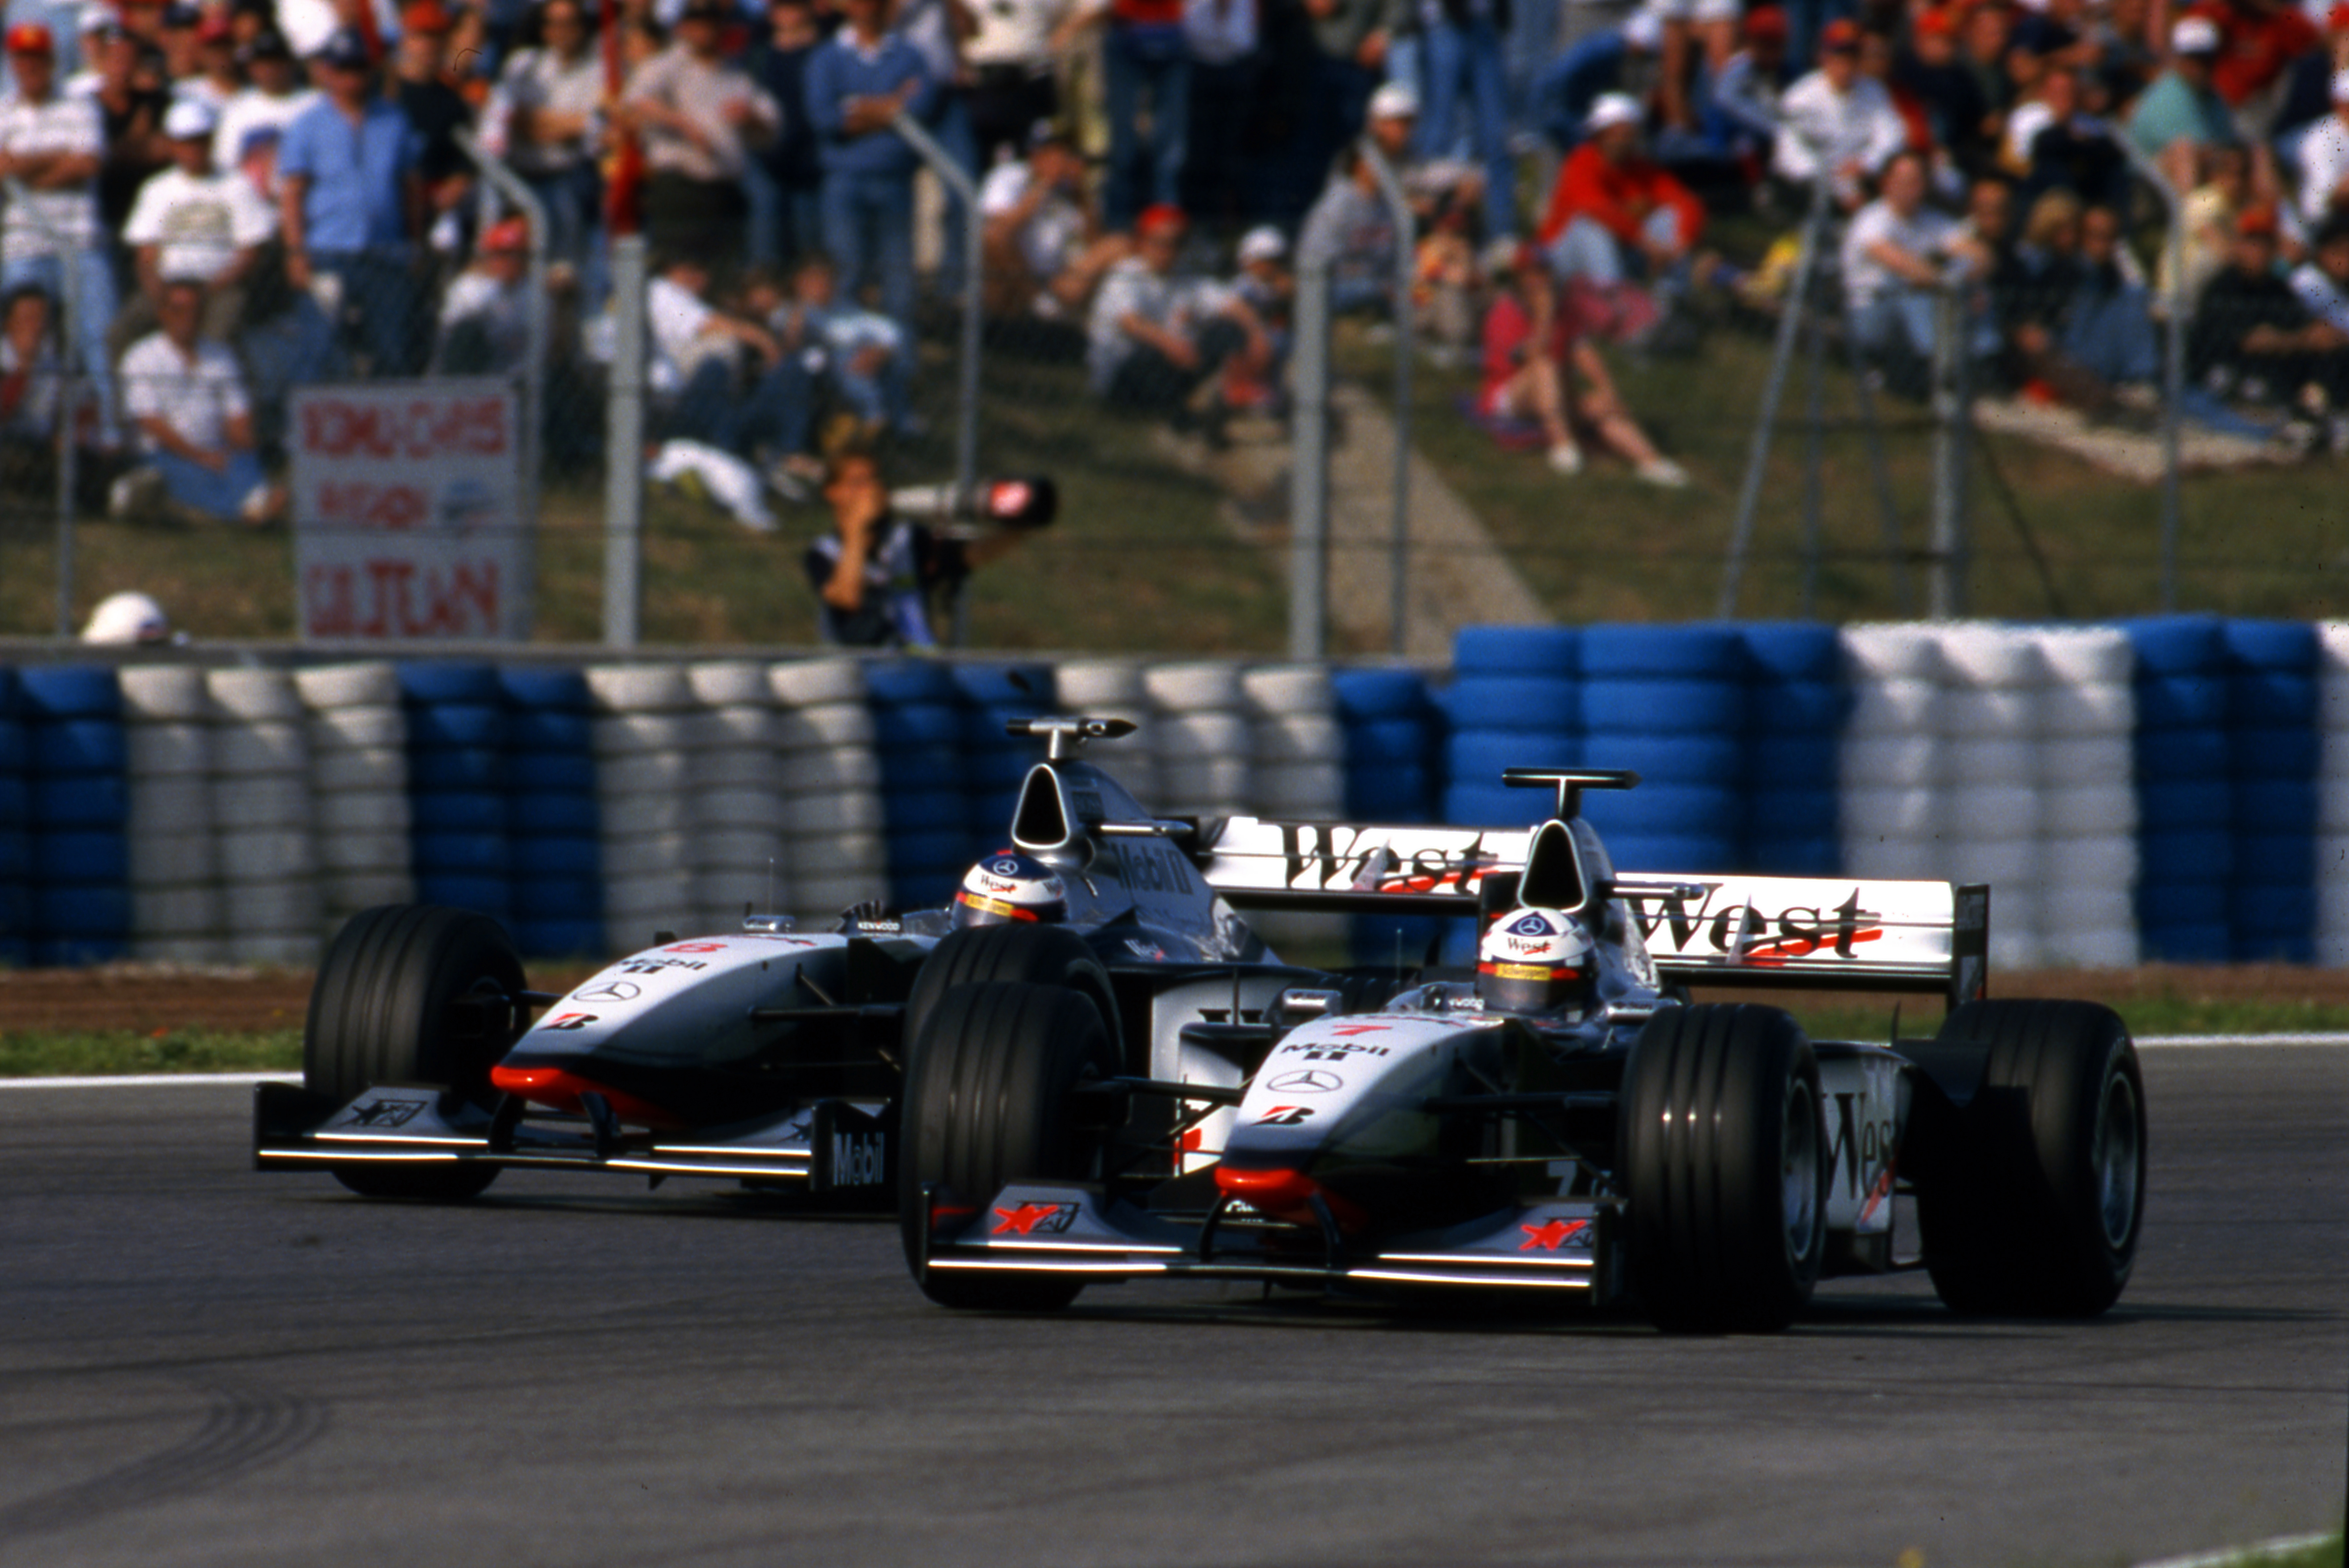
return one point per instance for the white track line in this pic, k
(2262, 1552)
(2173, 1042)
(148, 1080)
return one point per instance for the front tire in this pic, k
(413, 993)
(1722, 1165)
(2033, 1205)
(986, 1105)
(995, 955)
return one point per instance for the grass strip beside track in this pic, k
(37, 1053)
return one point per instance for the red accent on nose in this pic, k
(559, 1088)
(1287, 1195)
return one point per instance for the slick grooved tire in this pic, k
(381, 1014)
(2031, 1201)
(1724, 1168)
(993, 955)
(986, 1104)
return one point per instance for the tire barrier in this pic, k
(552, 823)
(640, 737)
(178, 907)
(2184, 792)
(830, 778)
(1201, 734)
(15, 827)
(357, 732)
(2178, 788)
(77, 900)
(2332, 845)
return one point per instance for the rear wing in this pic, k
(1805, 932)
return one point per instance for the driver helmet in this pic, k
(1009, 887)
(1538, 961)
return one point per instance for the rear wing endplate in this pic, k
(1805, 932)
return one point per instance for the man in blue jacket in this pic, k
(856, 84)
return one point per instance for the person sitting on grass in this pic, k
(1154, 338)
(185, 396)
(862, 355)
(1531, 353)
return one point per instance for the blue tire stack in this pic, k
(917, 724)
(15, 840)
(1393, 760)
(1394, 757)
(1796, 708)
(1514, 702)
(80, 806)
(2273, 746)
(1670, 704)
(2186, 799)
(457, 786)
(553, 827)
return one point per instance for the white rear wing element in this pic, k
(1702, 929)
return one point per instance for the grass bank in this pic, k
(90, 1053)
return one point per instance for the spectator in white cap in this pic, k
(1265, 284)
(1611, 59)
(193, 220)
(2180, 115)
(1616, 215)
(1349, 230)
(186, 398)
(2324, 161)
(127, 620)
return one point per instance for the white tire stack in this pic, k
(1204, 741)
(2332, 796)
(1112, 688)
(1299, 774)
(176, 904)
(2088, 818)
(358, 781)
(262, 806)
(1891, 761)
(1991, 803)
(740, 857)
(829, 778)
(644, 730)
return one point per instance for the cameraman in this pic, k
(874, 573)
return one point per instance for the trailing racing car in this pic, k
(1565, 1122)
(768, 1055)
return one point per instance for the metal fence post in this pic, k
(537, 334)
(1782, 353)
(942, 164)
(1945, 593)
(68, 438)
(1399, 213)
(1308, 469)
(624, 449)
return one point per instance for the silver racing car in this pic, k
(1565, 1121)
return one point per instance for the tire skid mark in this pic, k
(246, 1428)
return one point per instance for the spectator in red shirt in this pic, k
(1531, 353)
(2258, 41)
(1616, 214)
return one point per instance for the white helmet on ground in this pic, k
(126, 618)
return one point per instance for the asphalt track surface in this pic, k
(200, 1364)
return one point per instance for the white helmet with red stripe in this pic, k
(1538, 961)
(1009, 887)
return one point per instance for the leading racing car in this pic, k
(1567, 1122)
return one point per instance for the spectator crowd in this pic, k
(203, 206)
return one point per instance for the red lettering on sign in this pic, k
(421, 427)
(364, 504)
(392, 598)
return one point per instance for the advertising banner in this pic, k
(406, 511)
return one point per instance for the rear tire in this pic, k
(987, 1103)
(381, 1012)
(994, 955)
(1722, 1165)
(2033, 1206)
